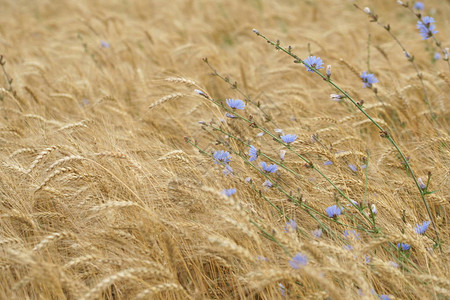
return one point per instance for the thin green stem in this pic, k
(436, 41)
(210, 155)
(408, 56)
(383, 132)
(292, 198)
(235, 87)
(366, 170)
(277, 139)
(245, 160)
(271, 237)
(260, 152)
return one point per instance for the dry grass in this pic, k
(101, 198)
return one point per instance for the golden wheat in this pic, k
(102, 198)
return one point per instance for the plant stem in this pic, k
(234, 86)
(383, 132)
(308, 162)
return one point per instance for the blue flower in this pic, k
(290, 224)
(253, 152)
(437, 56)
(260, 257)
(333, 211)
(229, 192)
(228, 115)
(384, 297)
(235, 103)
(269, 168)
(348, 247)
(419, 6)
(314, 62)
(367, 259)
(222, 156)
(267, 183)
(353, 167)
(288, 138)
(368, 79)
(298, 260)
(104, 44)
(420, 229)
(328, 163)
(426, 27)
(403, 246)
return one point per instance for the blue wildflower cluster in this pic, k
(362, 210)
(426, 27)
(253, 153)
(288, 138)
(269, 168)
(403, 246)
(298, 261)
(235, 103)
(229, 192)
(333, 211)
(368, 79)
(222, 156)
(420, 229)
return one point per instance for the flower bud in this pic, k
(374, 209)
(282, 154)
(421, 184)
(329, 71)
(336, 97)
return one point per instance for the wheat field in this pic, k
(104, 193)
